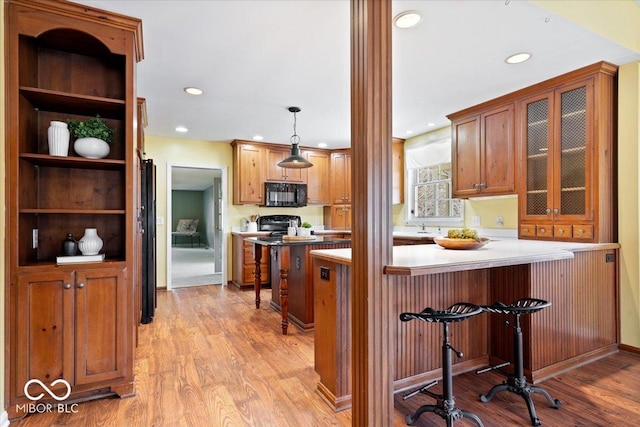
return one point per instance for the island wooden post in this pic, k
(284, 262)
(257, 273)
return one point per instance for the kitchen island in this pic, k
(580, 280)
(291, 283)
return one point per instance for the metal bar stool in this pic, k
(517, 382)
(445, 405)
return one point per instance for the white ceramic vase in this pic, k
(91, 243)
(304, 232)
(91, 148)
(58, 136)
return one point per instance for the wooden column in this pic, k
(372, 358)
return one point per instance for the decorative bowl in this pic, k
(461, 244)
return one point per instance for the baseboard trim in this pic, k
(4, 419)
(629, 348)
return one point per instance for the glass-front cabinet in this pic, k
(567, 161)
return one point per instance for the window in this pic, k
(429, 185)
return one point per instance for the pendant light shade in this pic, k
(295, 160)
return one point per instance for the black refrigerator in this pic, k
(148, 221)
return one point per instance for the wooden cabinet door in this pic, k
(573, 148)
(318, 178)
(537, 164)
(103, 318)
(341, 217)
(44, 332)
(498, 157)
(465, 157)
(275, 172)
(397, 171)
(249, 187)
(341, 178)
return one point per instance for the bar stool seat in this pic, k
(445, 405)
(517, 382)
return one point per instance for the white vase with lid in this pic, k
(91, 243)
(58, 137)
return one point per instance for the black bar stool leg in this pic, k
(446, 403)
(517, 382)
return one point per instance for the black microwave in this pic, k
(284, 194)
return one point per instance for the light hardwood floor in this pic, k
(210, 359)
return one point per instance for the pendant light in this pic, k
(295, 160)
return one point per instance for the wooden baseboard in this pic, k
(572, 363)
(629, 348)
(337, 403)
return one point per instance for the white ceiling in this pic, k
(255, 58)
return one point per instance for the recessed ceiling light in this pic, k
(258, 137)
(517, 58)
(431, 124)
(193, 91)
(409, 132)
(322, 144)
(407, 19)
(181, 129)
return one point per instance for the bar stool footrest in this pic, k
(422, 390)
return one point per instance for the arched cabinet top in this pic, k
(52, 20)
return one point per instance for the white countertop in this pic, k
(418, 260)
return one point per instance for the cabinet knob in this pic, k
(561, 231)
(482, 185)
(543, 230)
(556, 210)
(80, 285)
(475, 186)
(548, 211)
(526, 230)
(581, 231)
(67, 285)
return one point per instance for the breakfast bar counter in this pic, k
(579, 279)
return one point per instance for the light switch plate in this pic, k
(475, 221)
(159, 220)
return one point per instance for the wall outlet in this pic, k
(475, 221)
(499, 221)
(34, 238)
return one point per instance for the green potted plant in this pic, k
(93, 137)
(305, 229)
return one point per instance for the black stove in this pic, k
(277, 224)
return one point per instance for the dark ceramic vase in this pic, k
(69, 246)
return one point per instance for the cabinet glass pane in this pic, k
(537, 152)
(573, 154)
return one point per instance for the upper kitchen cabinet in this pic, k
(567, 136)
(68, 61)
(397, 171)
(483, 150)
(341, 177)
(248, 173)
(275, 155)
(318, 177)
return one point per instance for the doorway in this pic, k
(195, 225)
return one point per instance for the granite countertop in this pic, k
(418, 260)
(280, 241)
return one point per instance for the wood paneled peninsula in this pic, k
(291, 278)
(580, 280)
